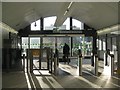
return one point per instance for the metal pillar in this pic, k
(96, 65)
(23, 62)
(112, 65)
(80, 65)
(80, 62)
(55, 65)
(31, 63)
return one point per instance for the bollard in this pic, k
(112, 65)
(96, 65)
(80, 65)
(31, 63)
(80, 62)
(23, 62)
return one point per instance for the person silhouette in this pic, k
(66, 50)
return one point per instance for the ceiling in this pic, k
(97, 15)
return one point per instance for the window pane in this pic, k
(49, 42)
(24, 42)
(66, 25)
(35, 25)
(60, 43)
(109, 43)
(114, 46)
(34, 42)
(104, 45)
(77, 25)
(77, 44)
(100, 44)
(49, 22)
(88, 45)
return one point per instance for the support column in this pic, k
(71, 37)
(80, 65)
(94, 47)
(118, 55)
(41, 42)
(80, 62)
(105, 52)
(118, 40)
(112, 64)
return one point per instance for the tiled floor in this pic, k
(66, 77)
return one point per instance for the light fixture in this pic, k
(35, 24)
(108, 29)
(68, 8)
(35, 18)
(70, 4)
(6, 27)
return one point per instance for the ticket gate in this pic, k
(51, 60)
(108, 64)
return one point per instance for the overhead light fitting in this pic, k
(35, 24)
(68, 8)
(6, 27)
(70, 4)
(108, 29)
(35, 18)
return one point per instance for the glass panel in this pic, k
(49, 42)
(77, 44)
(77, 25)
(88, 45)
(24, 42)
(83, 43)
(35, 25)
(66, 25)
(24, 45)
(44, 59)
(60, 43)
(97, 43)
(49, 22)
(114, 46)
(100, 44)
(34, 42)
(109, 43)
(104, 45)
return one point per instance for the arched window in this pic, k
(49, 22)
(35, 25)
(77, 25)
(66, 25)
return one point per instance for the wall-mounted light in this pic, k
(8, 28)
(108, 29)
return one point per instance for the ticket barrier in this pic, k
(80, 62)
(52, 60)
(96, 64)
(54, 63)
(109, 64)
(23, 62)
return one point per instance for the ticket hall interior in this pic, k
(33, 36)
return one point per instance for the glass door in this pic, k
(35, 44)
(48, 42)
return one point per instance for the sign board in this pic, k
(35, 52)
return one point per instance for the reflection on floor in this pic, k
(67, 78)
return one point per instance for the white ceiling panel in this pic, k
(95, 14)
